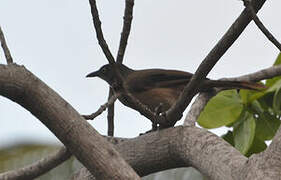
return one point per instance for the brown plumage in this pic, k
(153, 87)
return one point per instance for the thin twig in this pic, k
(175, 112)
(48, 163)
(38, 168)
(99, 33)
(201, 101)
(248, 5)
(110, 115)
(102, 108)
(128, 16)
(5, 48)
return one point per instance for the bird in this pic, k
(160, 88)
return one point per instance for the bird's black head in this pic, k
(105, 72)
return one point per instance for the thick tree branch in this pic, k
(272, 156)
(270, 37)
(175, 112)
(81, 139)
(181, 147)
(38, 168)
(203, 98)
(5, 48)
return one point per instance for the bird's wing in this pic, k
(157, 78)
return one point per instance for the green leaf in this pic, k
(228, 137)
(277, 101)
(278, 60)
(266, 126)
(275, 86)
(257, 107)
(245, 95)
(271, 81)
(248, 96)
(221, 110)
(244, 132)
(257, 147)
(266, 101)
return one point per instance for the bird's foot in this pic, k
(155, 127)
(149, 131)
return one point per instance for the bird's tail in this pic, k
(235, 85)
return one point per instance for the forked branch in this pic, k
(175, 112)
(266, 32)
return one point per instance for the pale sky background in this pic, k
(56, 41)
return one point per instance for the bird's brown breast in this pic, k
(152, 98)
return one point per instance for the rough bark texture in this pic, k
(180, 147)
(266, 165)
(103, 161)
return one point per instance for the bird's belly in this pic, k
(153, 98)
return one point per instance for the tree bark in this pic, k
(80, 138)
(181, 146)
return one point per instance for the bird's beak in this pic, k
(93, 74)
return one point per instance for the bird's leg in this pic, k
(154, 127)
(155, 123)
(158, 109)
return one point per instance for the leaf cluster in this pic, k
(252, 116)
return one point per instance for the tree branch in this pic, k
(270, 37)
(201, 101)
(99, 33)
(197, 107)
(91, 149)
(175, 112)
(102, 108)
(46, 164)
(38, 168)
(110, 115)
(181, 147)
(128, 16)
(5, 48)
